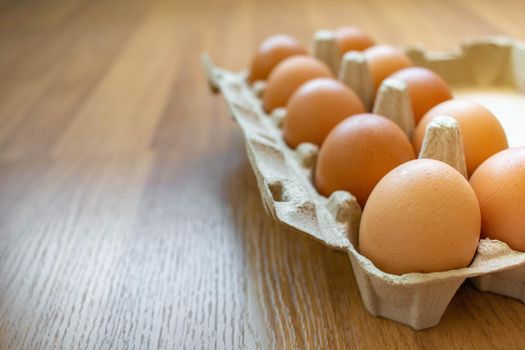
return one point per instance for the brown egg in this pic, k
(272, 51)
(316, 108)
(358, 152)
(482, 133)
(425, 88)
(352, 39)
(288, 75)
(384, 60)
(423, 216)
(499, 183)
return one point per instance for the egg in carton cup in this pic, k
(284, 176)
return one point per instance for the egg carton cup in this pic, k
(284, 175)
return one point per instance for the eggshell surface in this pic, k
(423, 216)
(499, 184)
(481, 131)
(352, 39)
(272, 51)
(425, 88)
(288, 75)
(358, 152)
(384, 60)
(316, 108)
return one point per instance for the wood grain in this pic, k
(129, 216)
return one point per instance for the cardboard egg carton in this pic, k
(284, 175)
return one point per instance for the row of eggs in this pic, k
(420, 215)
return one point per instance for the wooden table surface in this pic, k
(129, 215)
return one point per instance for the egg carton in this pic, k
(284, 175)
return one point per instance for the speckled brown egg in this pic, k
(272, 51)
(316, 108)
(423, 216)
(425, 88)
(481, 131)
(384, 60)
(288, 75)
(358, 152)
(499, 183)
(352, 39)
